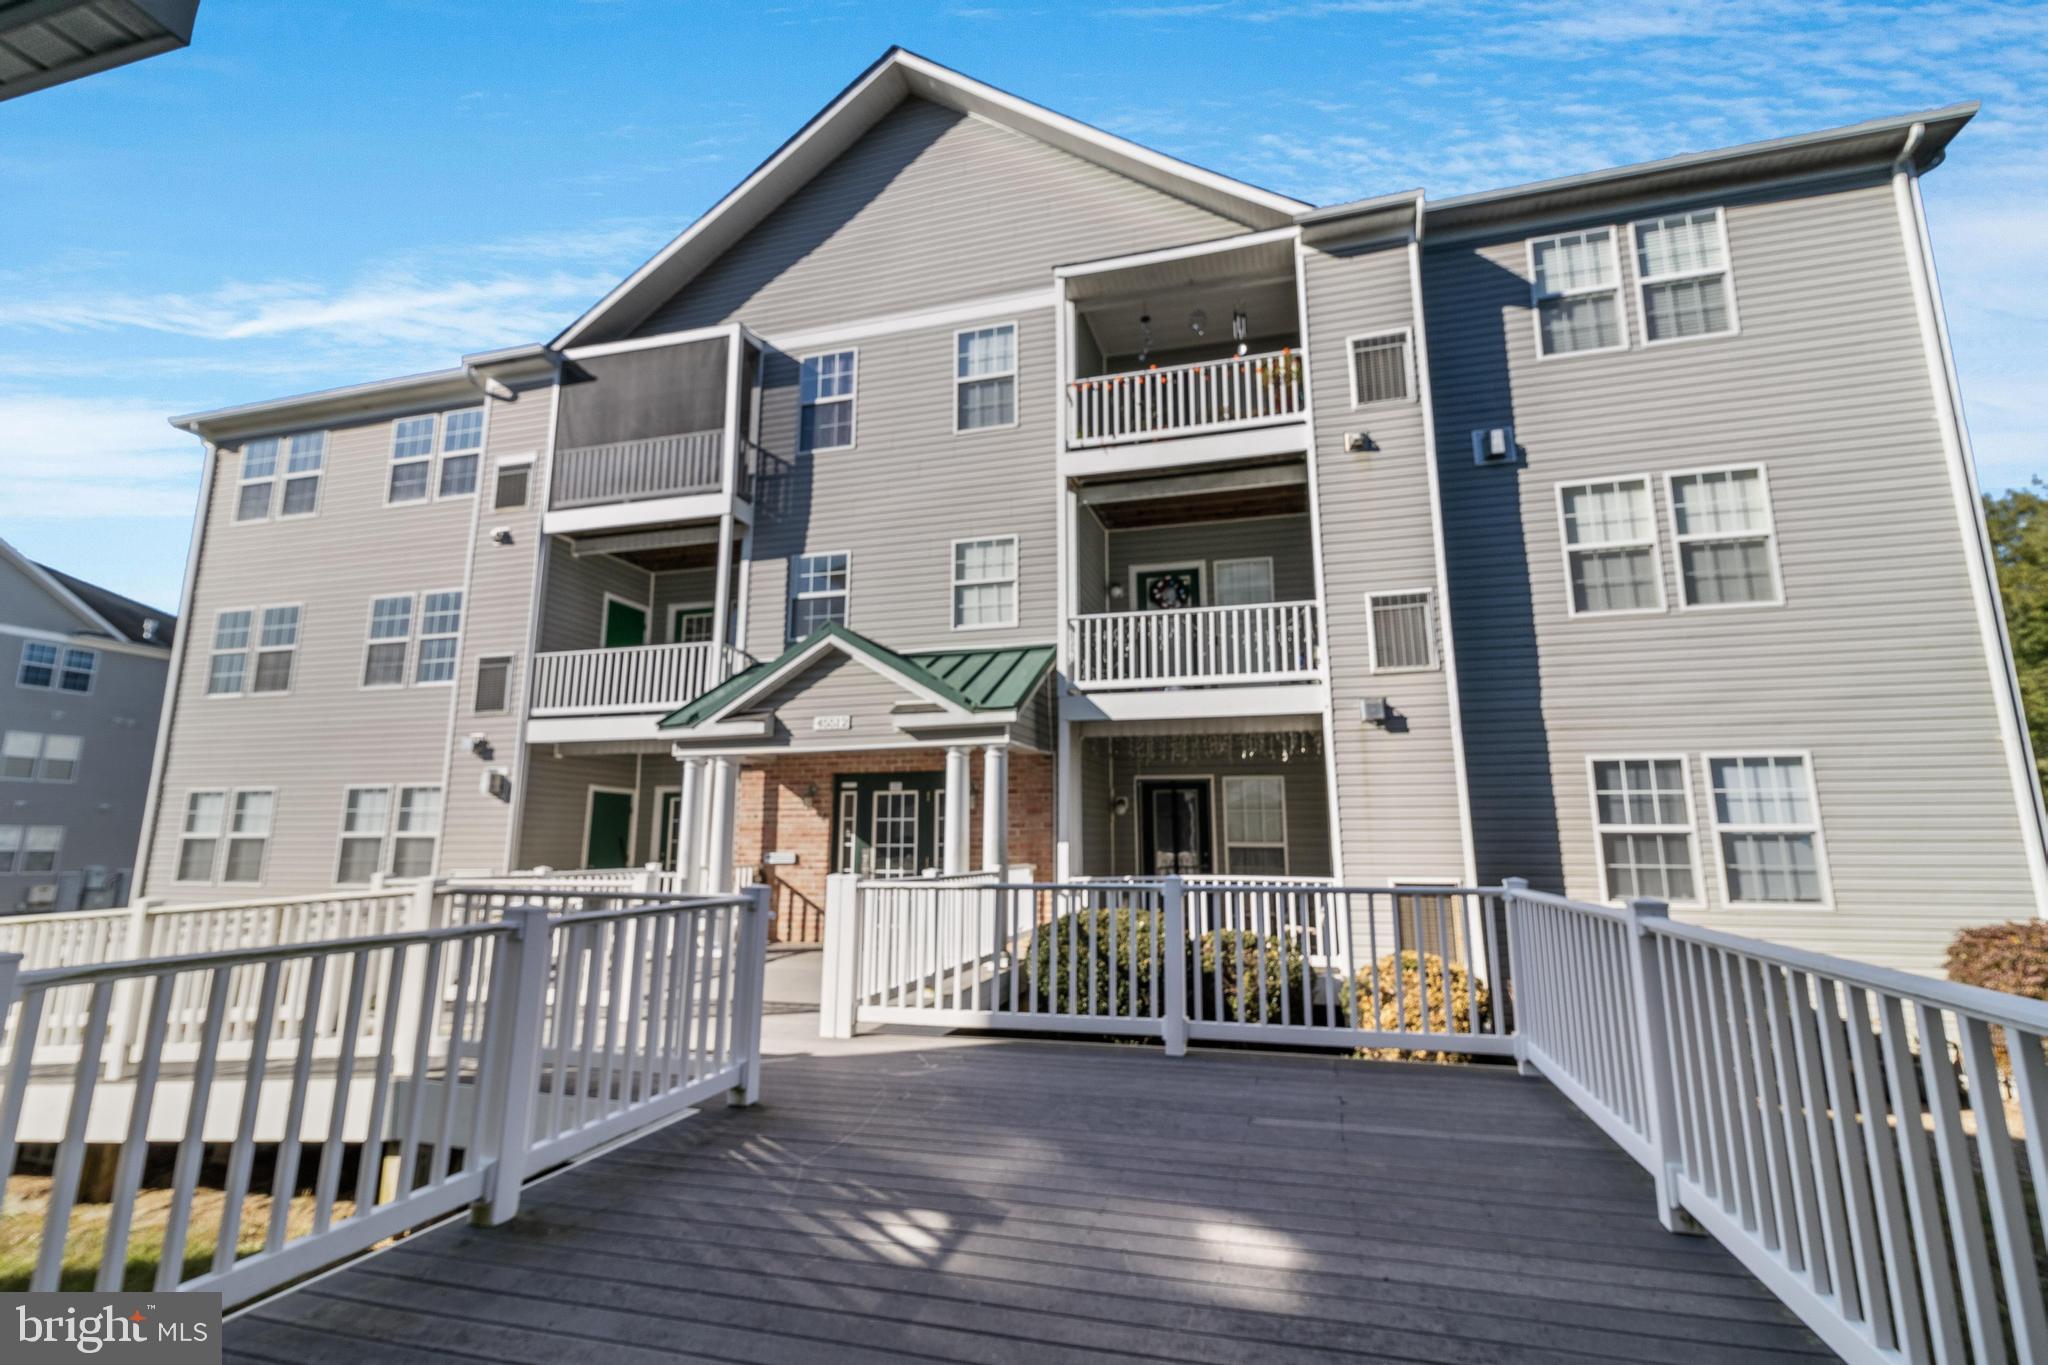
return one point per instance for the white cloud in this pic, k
(78, 458)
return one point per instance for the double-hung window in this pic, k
(365, 816)
(277, 644)
(205, 815)
(248, 835)
(1767, 830)
(440, 635)
(984, 583)
(1682, 276)
(79, 666)
(19, 750)
(60, 758)
(417, 831)
(1575, 288)
(228, 665)
(305, 457)
(1243, 582)
(1400, 631)
(985, 377)
(412, 459)
(39, 848)
(390, 639)
(1643, 821)
(1721, 526)
(63, 667)
(1380, 369)
(818, 592)
(10, 847)
(1255, 825)
(38, 664)
(258, 479)
(462, 444)
(827, 394)
(1610, 545)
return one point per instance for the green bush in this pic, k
(1405, 985)
(1087, 936)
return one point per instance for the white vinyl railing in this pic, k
(1183, 400)
(584, 682)
(471, 1054)
(1196, 646)
(629, 471)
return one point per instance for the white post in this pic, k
(838, 987)
(1518, 969)
(689, 823)
(1173, 924)
(1069, 846)
(1660, 1102)
(506, 1097)
(127, 994)
(955, 859)
(748, 983)
(650, 878)
(718, 838)
(995, 810)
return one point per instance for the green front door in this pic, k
(625, 625)
(1169, 589)
(887, 824)
(608, 838)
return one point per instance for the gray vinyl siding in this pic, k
(1873, 664)
(558, 781)
(1397, 790)
(29, 605)
(1091, 563)
(1284, 540)
(929, 207)
(573, 613)
(836, 686)
(680, 587)
(1114, 768)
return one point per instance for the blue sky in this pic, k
(320, 194)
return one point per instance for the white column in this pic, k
(1066, 804)
(957, 779)
(724, 795)
(689, 822)
(995, 810)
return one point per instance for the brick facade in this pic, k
(785, 804)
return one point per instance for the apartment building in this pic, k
(973, 488)
(86, 670)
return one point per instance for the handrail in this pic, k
(633, 677)
(1184, 399)
(1197, 646)
(670, 465)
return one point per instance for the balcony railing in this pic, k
(1197, 646)
(633, 471)
(589, 682)
(1184, 400)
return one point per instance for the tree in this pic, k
(2019, 543)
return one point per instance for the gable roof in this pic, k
(896, 76)
(967, 679)
(104, 612)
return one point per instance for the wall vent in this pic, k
(1493, 445)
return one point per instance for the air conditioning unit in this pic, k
(41, 896)
(1493, 445)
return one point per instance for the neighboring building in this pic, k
(1616, 532)
(48, 42)
(78, 717)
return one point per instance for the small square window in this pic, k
(38, 664)
(514, 480)
(79, 666)
(1380, 369)
(1400, 631)
(493, 684)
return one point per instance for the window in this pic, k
(1721, 525)
(1243, 582)
(18, 751)
(275, 648)
(1400, 630)
(390, 634)
(827, 393)
(1255, 825)
(249, 836)
(985, 378)
(302, 466)
(1610, 539)
(1575, 288)
(1380, 369)
(691, 624)
(79, 666)
(38, 664)
(818, 592)
(493, 684)
(10, 847)
(365, 814)
(462, 443)
(1767, 828)
(514, 481)
(1682, 276)
(419, 827)
(259, 476)
(201, 836)
(60, 757)
(984, 583)
(440, 632)
(230, 659)
(412, 459)
(39, 848)
(1643, 822)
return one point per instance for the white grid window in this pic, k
(79, 666)
(440, 635)
(60, 758)
(229, 663)
(462, 443)
(1380, 369)
(1767, 826)
(277, 645)
(985, 378)
(249, 836)
(365, 816)
(1682, 275)
(818, 592)
(418, 830)
(1243, 582)
(1610, 538)
(1643, 821)
(412, 459)
(390, 638)
(258, 479)
(827, 393)
(38, 664)
(205, 814)
(10, 847)
(19, 750)
(1400, 630)
(1575, 288)
(985, 582)
(305, 459)
(1255, 825)
(1721, 525)
(40, 846)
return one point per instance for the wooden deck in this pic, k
(1045, 1203)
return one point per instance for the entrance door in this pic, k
(887, 824)
(1174, 839)
(608, 829)
(1168, 587)
(625, 624)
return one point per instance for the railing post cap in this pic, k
(1515, 883)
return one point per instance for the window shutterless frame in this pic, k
(512, 473)
(1016, 388)
(1601, 829)
(1217, 578)
(1814, 828)
(955, 582)
(851, 398)
(1650, 542)
(259, 627)
(1406, 336)
(799, 594)
(67, 750)
(434, 608)
(1766, 532)
(1373, 641)
(399, 640)
(1644, 282)
(1538, 296)
(292, 459)
(1231, 846)
(414, 441)
(257, 469)
(215, 835)
(381, 835)
(232, 834)
(302, 460)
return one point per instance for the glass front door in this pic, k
(1175, 839)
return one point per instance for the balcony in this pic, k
(632, 471)
(1270, 642)
(648, 679)
(1206, 396)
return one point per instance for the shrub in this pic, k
(1409, 982)
(2002, 957)
(1087, 936)
(1230, 959)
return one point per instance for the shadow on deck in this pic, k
(999, 1201)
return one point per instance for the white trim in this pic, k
(1200, 566)
(1014, 375)
(285, 476)
(1103, 265)
(520, 758)
(420, 636)
(632, 796)
(1690, 829)
(398, 792)
(404, 642)
(1407, 335)
(1272, 588)
(392, 460)
(1372, 641)
(1643, 282)
(476, 452)
(604, 618)
(851, 398)
(687, 336)
(1820, 843)
(774, 677)
(242, 480)
(1537, 298)
(219, 838)
(257, 649)
(383, 836)
(841, 335)
(225, 844)
(1653, 543)
(1223, 818)
(109, 645)
(954, 584)
(1769, 535)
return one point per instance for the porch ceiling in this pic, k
(1268, 304)
(1267, 490)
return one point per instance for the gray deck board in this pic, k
(1060, 1203)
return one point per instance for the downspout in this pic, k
(1962, 469)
